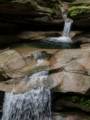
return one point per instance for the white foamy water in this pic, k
(40, 61)
(39, 79)
(32, 105)
(67, 27)
(65, 38)
(62, 39)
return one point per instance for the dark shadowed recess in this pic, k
(62, 102)
(1, 102)
(10, 28)
(39, 44)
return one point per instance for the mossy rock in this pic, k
(83, 101)
(79, 10)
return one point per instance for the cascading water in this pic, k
(65, 38)
(39, 79)
(31, 105)
(67, 27)
(40, 57)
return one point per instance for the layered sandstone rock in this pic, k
(75, 75)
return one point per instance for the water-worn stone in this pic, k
(69, 70)
(75, 73)
(16, 64)
(10, 61)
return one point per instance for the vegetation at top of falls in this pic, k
(53, 7)
(78, 10)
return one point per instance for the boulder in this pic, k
(75, 73)
(69, 70)
(10, 61)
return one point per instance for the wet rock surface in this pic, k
(25, 27)
(69, 69)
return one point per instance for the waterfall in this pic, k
(65, 38)
(67, 27)
(40, 56)
(40, 61)
(38, 79)
(32, 105)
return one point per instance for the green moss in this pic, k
(83, 101)
(78, 10)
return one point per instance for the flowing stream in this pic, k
(35, 104)
(67, 27)
(32, 105)
(65, 38)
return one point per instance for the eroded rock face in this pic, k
(70, 70)
(16, 63)
(17, 66)
(10, 61)
(75, 75)
(42, 13)
(83, 38)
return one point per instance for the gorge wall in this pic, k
(25, 26)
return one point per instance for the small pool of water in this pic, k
(45, 44)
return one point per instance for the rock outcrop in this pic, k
(25, 52)
(42, 14)
(69, 69)
(75, 75)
